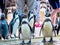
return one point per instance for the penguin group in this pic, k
(28, 27)
(25, 25)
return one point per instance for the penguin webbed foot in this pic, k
(29, 42)
(44, 40)
(51, 40)
(23, 42)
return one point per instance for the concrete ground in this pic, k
(36, 41)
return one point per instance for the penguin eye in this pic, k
(43, 7)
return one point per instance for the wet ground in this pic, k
(35, 41)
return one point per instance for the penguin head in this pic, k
(2, 16)
(30, 14)
(30, 11)
(24, 16)
(15, 14)
(47, 13)
(43, 7)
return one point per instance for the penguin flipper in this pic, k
(29, 42)
(30, 28)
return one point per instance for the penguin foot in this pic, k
(12, 36)
(16, 36)
(44, 40)
(23, 42)
(51, 40)
(29, 42)
(6, 37)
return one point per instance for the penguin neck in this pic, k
(26, 14)
(48, 18)
(15, 17)
(25, 19)
(31, 15)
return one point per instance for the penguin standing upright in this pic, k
(12, 22)
(0, 29)
(32, 21)
(15, 25)
(4, 26)
(47, 28)
(25, 29)
(58, 22)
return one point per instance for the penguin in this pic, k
(4, 27)
(47, 28)
(58, 22)
(32, 20)
(20, 19)
(15, 25)
(12, 22)
(0, 28)
(25, 30)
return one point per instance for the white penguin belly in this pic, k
(31, 23)
(26, 33)
(15, 27)
(47, 29)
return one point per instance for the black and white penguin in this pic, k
(4, 27)
(15, 25)
(12, 22)
(58, 22)
(0, 26)
(32, 20)
(25, 30)
(47, 28)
